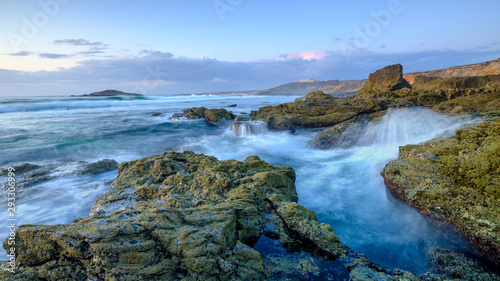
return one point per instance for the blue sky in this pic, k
(169, 47)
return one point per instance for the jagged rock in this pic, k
(193, 216)
(98, 167)
(389, 78)
(456, 181)
(212, 115)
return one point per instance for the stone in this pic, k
(99, 167)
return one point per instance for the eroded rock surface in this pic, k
(187, 216)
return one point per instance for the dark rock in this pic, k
(98, 167)
(112, 93)
(157, 114)
(19, 169)
(387, 79)
(232, 105)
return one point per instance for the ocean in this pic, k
(343, 186)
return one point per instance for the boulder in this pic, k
(99, 167)
(212, 115)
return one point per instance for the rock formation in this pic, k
(387, 79)
(98, 167)
(187, 216)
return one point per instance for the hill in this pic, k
(478, 69)
(333, 87)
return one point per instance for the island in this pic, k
(111, 93)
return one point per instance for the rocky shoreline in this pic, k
(187, 216)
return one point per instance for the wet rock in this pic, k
(19, 169)
(212, 115)
(455, 181)
(458, 267)
(232, 105)
(316, 110)
(387, 79)
(193, 216)
(216, 115)
(99, 167)
(157, 114)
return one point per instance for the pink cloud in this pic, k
(309, 55)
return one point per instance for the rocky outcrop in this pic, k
(387, 79)
(175, 216)
(99, 167)
(455, 181)
(212, 115)
(316, 110)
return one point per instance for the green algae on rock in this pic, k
(212, 115)
(175, 216)
(456, 181)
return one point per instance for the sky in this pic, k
(72, 47)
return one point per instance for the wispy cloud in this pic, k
(54, 56)
(156, 53)
(78, 42)
(310, 55)
(20, 54)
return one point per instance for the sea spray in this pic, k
(344, 187)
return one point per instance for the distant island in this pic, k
(111, 93)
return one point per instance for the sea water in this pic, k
(343, 186)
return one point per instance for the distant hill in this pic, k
(111, 93)
(478, 69)
(333, 87)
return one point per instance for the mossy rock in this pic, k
(182, 215)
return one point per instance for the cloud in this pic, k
(78, 42)
(156, 53)
(310, 55)
(162, 73)
(54, 56)
(383, 46)
(20, 54)
(90, 53)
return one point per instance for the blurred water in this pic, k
(343, 186)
